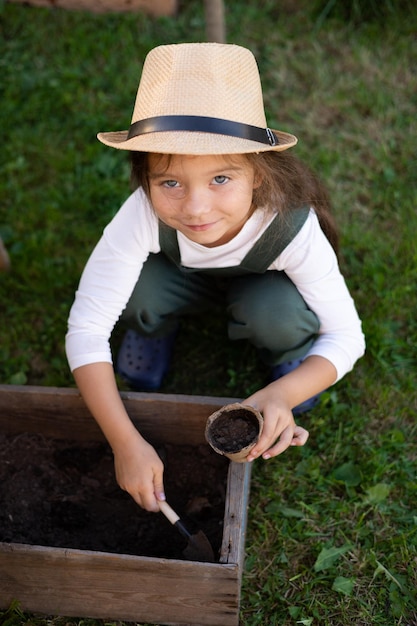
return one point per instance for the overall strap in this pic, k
(168, 241)
(274, 240)
(269, 246)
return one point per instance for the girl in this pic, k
(221, 214)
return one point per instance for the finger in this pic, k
(300, 436)
(257, 450)
(159, 488)
(137, 498)
(155, 492)
(282, 444)
(268, 435)
(145, 499)
(149, 502)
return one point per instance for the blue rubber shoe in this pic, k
(143, 361)
(278, 371)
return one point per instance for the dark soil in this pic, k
(234, 430)
(64, 494)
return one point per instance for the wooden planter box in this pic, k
(73, 582)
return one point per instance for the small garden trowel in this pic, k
(198, 547)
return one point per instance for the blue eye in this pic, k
(171, 184)
(220, 180)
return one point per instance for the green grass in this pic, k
(333, 526)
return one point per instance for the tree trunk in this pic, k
(215, 23)
(4, 257)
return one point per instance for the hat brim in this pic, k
(195, 143)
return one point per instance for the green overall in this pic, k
(263, 307)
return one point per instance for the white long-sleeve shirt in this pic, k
(114, 266)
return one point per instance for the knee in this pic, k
(278, 319)
(291, 327)
(282, 326)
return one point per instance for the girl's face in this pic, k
(207, 198)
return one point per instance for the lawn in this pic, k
(332, 537)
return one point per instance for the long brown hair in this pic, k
(287, 184)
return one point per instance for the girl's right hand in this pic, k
(139, 471)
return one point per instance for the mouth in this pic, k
(199, 228)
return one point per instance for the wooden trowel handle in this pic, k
(168, 512)
(173, 518)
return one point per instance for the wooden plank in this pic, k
(104, 586)
(236, 513)
(153, 7)
(62, 414)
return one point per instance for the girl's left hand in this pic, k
(279, 430)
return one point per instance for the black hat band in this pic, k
(195, 123)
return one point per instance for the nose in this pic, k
(196, 203)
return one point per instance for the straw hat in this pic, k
(199, 98)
